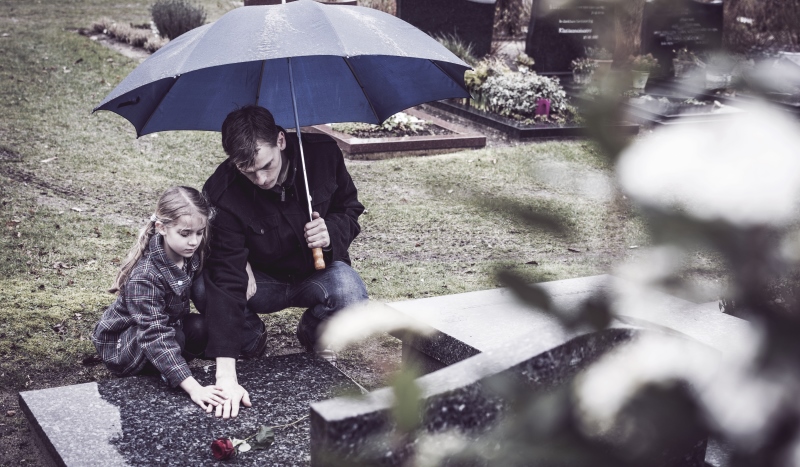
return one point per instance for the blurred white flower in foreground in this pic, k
(358, 322)
(744, 170)
(732, 399)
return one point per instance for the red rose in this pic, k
(222, 449)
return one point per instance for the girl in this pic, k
(148, 328)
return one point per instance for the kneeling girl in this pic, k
(148, 328)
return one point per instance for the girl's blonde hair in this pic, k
(176, 201)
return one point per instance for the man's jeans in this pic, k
(323, 293)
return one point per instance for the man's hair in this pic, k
(240, 131)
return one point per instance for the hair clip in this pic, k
(153, 218)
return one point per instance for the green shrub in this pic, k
(460, 49)
(175, 17)
(514, 95)
(483, 69)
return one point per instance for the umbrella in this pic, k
(308, 63)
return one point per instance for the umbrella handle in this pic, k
(319, 261)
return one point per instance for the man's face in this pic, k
(267, 164)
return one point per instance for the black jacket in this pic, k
(265, 227)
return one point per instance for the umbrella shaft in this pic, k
(299, 138)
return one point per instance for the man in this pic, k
(262, 224)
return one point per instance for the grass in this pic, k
(434, 225)
(75, 187)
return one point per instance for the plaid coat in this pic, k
(140, 325)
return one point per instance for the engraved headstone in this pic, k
(472, 21)
(560, 32)
(673, 24)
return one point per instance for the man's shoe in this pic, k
(329, 355)
(259, 349)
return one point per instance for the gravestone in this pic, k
(140, 421)
(480, 335)
(470, 20)
(669, 25)
(559, 32)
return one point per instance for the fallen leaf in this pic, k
(574, 250)
(58, 327)
(449, 191)
(91, 360)
(11, 413)
(78, 60)
(633, 247)
(45, 161)
(77, 209)
(535, 263)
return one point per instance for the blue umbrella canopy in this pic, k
(346, 63)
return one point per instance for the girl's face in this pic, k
(183, 237)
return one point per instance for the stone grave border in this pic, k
(462, 356)
(384, 148)
(646, 116)
(523, 132)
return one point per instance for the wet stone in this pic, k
(140, 421)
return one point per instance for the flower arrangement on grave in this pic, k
(582, 66)
(684, 61)
(643, 63)
(582, 69)
(399, 124)
(516, 95)
(685, 55)
(600, 57)
(474, 79)
(524, 60)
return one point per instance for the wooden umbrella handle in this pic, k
(319, 261)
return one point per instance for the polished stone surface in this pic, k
(473, 322)
(484, 334)
(140, 421)
(349, 430)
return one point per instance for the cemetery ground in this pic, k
(76, 187)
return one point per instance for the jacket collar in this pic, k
(178, 279)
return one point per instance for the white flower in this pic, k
(744, 169)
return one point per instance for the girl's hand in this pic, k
(251, 282)
(206, 397)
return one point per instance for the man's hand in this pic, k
(317, 232)
(251, 282)
(226, 380)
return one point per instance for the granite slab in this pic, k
(474, 322)
(140, 421)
